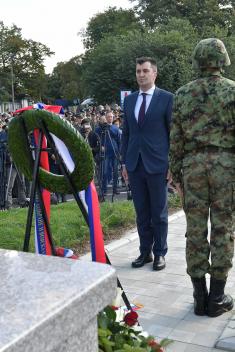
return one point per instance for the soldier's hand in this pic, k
(124, 173)
(169, 177)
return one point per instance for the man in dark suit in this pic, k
(145, 147)
(110, 138)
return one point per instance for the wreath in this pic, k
(18, 141)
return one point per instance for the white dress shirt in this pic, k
(140, 99)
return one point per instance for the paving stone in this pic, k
(180, 335)
(195, 332)
(217, 323)
(184, 347)
(227, 344)
(154, 329)
(227, 338)
(167, 296)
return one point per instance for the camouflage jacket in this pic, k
(203, 115)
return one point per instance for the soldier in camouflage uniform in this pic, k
(202, 162)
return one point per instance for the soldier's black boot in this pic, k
(200, 295)
(218, 302)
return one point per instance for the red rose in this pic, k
(156, 347)
(114, 308)
(153, 343)
(131, 318)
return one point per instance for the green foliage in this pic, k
(68, 226)
(65, 80)
(118, 214)
(165, 29)
(112, 62)
(120, 337)
(174, 201)
(230, 46)
(201, 14)
(111, 22)
(4, 86)
(25, 57)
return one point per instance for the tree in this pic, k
(201, 13)
(24, 59)
(110, 66)
(112, 62)
(65, 80)
(111, 22)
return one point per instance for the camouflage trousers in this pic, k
(209, 194)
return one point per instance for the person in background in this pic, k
(117, 122)
(90, 137)
(110, 137)
(14, 176)
(77, 122)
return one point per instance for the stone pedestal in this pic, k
(51, 303)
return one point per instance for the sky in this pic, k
(55, 23)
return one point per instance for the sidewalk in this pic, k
(166, 296)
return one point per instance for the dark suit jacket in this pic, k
(151, 140)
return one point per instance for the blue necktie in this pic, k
(141, 115)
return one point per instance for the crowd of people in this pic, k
(100, 126)
(12, 181)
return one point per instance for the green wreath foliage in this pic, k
(79, 149)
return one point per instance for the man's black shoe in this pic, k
(141, 260)
(159, 263)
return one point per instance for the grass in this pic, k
(68, 226)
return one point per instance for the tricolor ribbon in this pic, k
(42, 244)
(90, 201)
